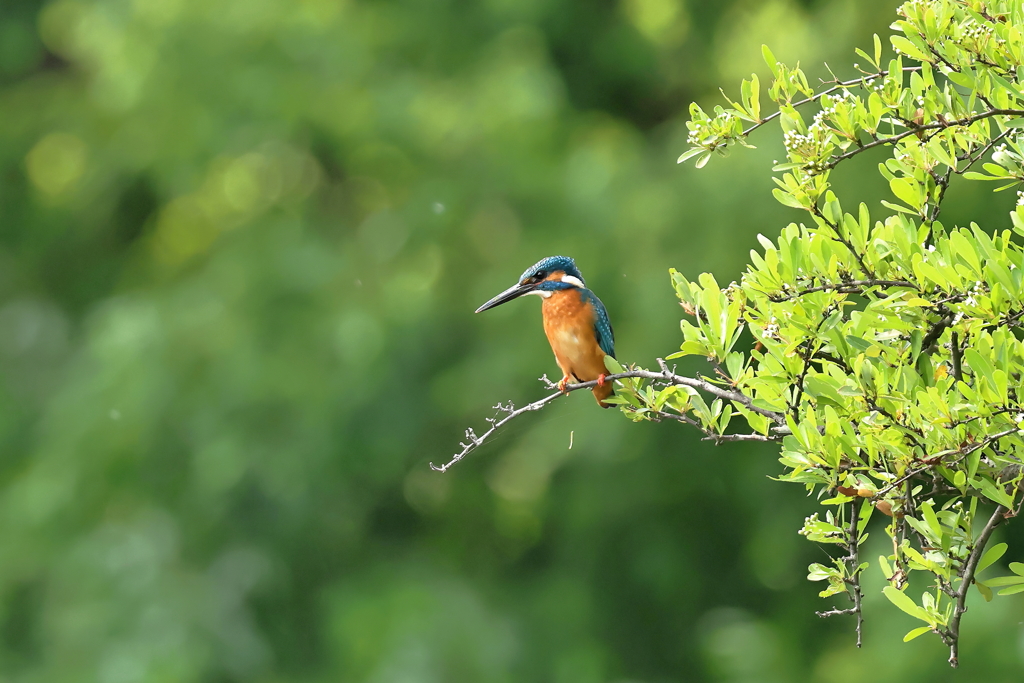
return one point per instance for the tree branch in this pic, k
(837, 85)
(852, 562)
(847, 287)
(963, 453)
(954, 356)
(841, 238)
(974, 158)
(666, 377)
(892, 139)
(953, 632)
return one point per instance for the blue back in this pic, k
(602, 324)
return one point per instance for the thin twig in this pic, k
(852, 563)
(935, 332)
(892, 139)
(963, 453)
(658, 415)
(953, 632)
(666, 376)
(842, 238)
(838, 85)
(847, 287)
(974, 158)
(941, 184)
(954, 354)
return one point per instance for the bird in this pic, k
(575, 321)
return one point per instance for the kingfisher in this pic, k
(575, 321)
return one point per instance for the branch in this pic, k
(954, 351)
(852, 562)
(847, 287)
(841, 238)
(658, 415)
(704, 385)
(937, 126)
(941, 185)
(961, 455)
(974, 158)
(837, 85)
(935, 332)
(666, 377)
(953, 632)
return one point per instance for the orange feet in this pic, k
(601, 379)
(562, 383)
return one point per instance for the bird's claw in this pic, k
(562, 383)
(601, 379)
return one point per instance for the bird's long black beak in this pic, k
(513, 292)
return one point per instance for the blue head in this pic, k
(549, 274)
(546, 267)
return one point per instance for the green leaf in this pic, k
(979, 364)
(770, 60)
(612, 365)
(919, 631)
(819, 572)
(964, 78)
(929, 517)
(903, 601)
(996, 493)
(787, 199)
(859, 344)
(974, 175)
(1012, 589)
(690, 153)
(991, 555)
(908, 48)
(907, 191)
(1005, 581)
(985, 591)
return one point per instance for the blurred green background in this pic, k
(240, 246)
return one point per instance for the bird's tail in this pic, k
(603, 392)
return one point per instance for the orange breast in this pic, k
(569, 326)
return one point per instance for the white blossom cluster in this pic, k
(700, 131)
(977, 289)
(979, 33)
(697, 129)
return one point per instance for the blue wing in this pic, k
(602, 324)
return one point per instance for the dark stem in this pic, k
(942, 184)
(937, 329)
(837, 85)
(840, 237)
(666, 377)
(953, 632)
(847, 287)
(954, 348)
(917, 129)
(852, 562)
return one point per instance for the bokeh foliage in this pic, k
(241, 240)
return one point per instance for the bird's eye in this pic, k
(538, 276)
